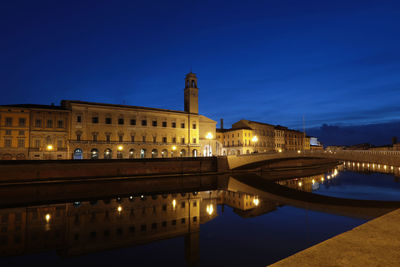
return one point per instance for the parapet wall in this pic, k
(391, 158)
(36, 170)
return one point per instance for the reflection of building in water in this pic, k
(89, 226)
(238, 200)
(12, 229)
(246, 205)
(129, 221)
(45, 227)
(33, 229)
(264, 206)
(310, 183)
(83, 227)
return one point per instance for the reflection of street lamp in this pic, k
(209, 136)
(47, 217)
(210, 209)
(254, 140)
(256, 201)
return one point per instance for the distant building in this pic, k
(279, 137)
(247, 137)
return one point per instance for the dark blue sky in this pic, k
(272, 61)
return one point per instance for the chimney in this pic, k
(222, 124)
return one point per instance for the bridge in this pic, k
(390, 158)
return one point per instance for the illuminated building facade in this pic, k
(246, 137)
(87, 130)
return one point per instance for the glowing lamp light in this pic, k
(256, 201)
(313, 181)
(254, 139)
(50, 147)
(210, 209)
(119, 209)
(173, 203)
(174, 148)
(47, 217)
(300, 184)
(329, 177)
(120, 148)
(322, 179)
(280, 150)
(298, 151)
(209, 136)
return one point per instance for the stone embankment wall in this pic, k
(36, 170)
(391, 158)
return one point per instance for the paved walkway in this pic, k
(375, 243)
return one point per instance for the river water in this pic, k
(230, 224)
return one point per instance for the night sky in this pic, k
(273, 61)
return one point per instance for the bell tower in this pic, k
(191, 94)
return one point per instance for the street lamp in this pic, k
(49, 147)
(254, 140)
(209, 136)
(173, 150)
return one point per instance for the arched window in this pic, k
(194, 153)
(183, 153)
(154, 153)
(119, 154)
(164, 153)
(108, 153)
(143, 153)
(78, 154)
(94, 153)
(132, 153)
(193, 84)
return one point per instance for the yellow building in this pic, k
(247, 137)
(33, 132)
(14, 132)
(264, 132)
(279, 138)
(236, 141)
(294, 140)
(87, 130)
(49, 127)
(122, 131)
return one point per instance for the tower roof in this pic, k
(191, 75)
